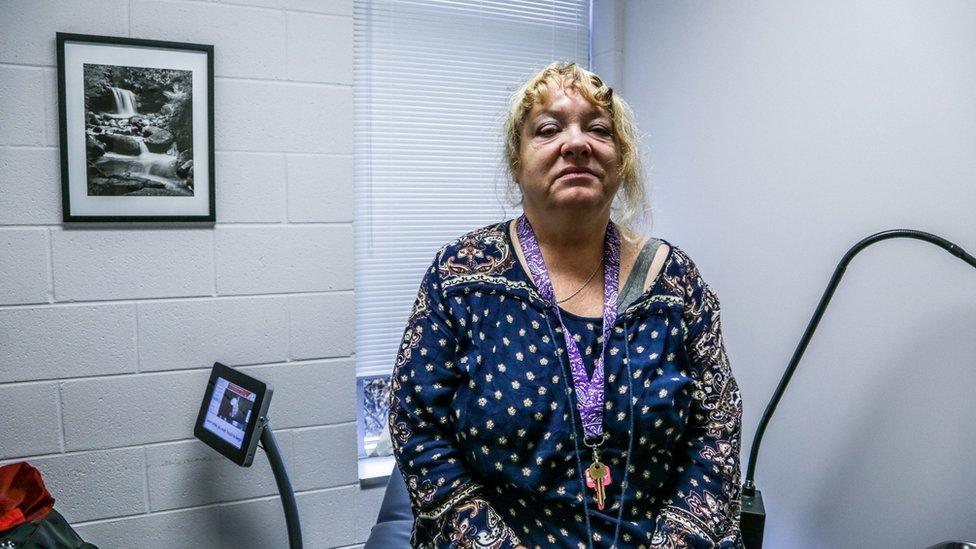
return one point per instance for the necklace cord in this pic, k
(572, 418)
(630, 438)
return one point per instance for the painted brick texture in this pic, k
(107, 333)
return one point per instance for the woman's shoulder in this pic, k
(483, 252)
(669, 263)
(681, 277)
(639, 242)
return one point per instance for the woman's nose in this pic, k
(575, 144)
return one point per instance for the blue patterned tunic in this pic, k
(487, 434)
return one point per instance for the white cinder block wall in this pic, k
(107, 333)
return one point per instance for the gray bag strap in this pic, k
(634, 286)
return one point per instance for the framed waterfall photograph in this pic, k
(137, 129)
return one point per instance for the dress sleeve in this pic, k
(703, 506)
(445, 498)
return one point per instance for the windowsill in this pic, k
(375, 470)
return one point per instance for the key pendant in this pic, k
(598, 477)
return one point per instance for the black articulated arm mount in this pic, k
(753, 510)
(284, 486)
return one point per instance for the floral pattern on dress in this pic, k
(699, 516)
(475, 525)
(482, 258)
(481, 252)
(487, 435)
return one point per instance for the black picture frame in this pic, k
(144, 157)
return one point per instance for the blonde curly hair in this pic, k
(630, 205)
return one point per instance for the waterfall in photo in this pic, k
(138, 124)
(146, 166)
(125, 102)
(128, 158)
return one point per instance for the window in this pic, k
(431, 84)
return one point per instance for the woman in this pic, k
(562, 381)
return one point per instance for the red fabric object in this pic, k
(23, 497)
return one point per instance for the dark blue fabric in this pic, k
(590, 336)
(486, 431)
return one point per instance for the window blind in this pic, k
(431, 84)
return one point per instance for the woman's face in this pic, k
(569, 159)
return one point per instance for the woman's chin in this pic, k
(579, 198)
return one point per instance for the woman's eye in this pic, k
(546, 130)
(602, 129)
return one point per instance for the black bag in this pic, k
(51, 532)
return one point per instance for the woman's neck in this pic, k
(571, 241)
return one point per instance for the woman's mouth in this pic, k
(576, 173)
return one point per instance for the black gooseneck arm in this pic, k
(751, 501)
(284, 486)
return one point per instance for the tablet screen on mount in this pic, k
(231, 411)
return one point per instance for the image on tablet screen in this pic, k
(229, 411)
